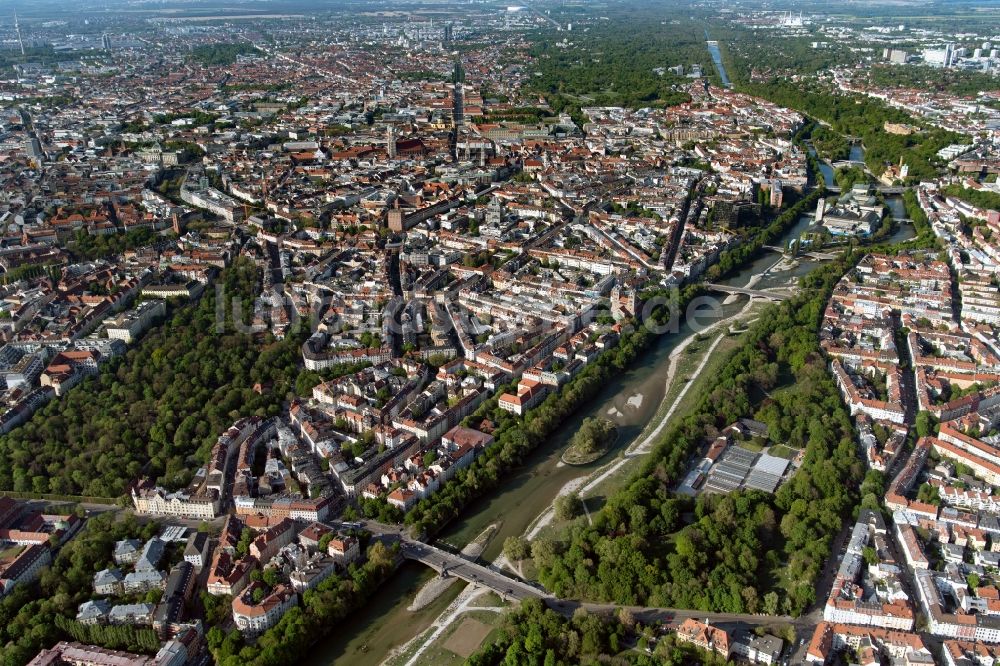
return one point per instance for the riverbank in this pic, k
(435, 587)
(582, 453)
(585, 485)
(514, 507)
(670, 379)
(436, 645)
(673, 397)
(427, 648)
(367, 636)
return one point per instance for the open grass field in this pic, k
(467, 638)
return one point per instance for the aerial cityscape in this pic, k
(430, 332)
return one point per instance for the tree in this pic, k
(771, 603)
(925, 424)
(516, 548)
(929, 494)
(568, 506)
(271, 576)
(243, 545)
(543, 550)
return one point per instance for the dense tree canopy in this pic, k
(605, 70)
(979, 198)
(38, 615)
(157, 410)
(102, 246)
(533, 635)
(727, 553)
(936, 79)
(221, 54)
(864, 117)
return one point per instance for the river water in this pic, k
(384, 623)
(631, 400)
(713, 49)
(828, 175)
(857, 152)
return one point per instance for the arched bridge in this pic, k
(811, 254)
(449, 564)
(754, 293)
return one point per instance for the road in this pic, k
(669, 255)
(650, 615)
(728, 289)
(91, 509)
(542, 16)
(340, 78)
(511, 589)
(95, 509)
(448, 564)
(884, 189)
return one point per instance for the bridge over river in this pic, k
(448, 564)
(849, 163)
(884, 189)
(756, 293)
(810, 254)
(512, 589)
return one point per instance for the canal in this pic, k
(713, 49)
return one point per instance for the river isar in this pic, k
(631, 401)
(713, 50)
(904, 230)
